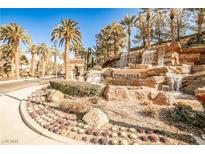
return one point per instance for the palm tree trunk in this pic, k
(43, 66)
(129, 34)
(32, 65)
(200, 22)
(12, 66)
(55, 61)
(178, 29)
(172, 26)
(17, 59)
(144, 41)
(148, 29)
(66, 57)
(159, 27)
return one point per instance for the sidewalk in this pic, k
(12, 128)
(25, 79)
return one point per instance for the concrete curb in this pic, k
(35, 127)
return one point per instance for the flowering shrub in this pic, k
(201, 98)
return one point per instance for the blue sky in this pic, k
(40, 22)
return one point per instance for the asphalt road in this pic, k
(9, 87)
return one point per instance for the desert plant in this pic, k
(149, 112)
(186, 114)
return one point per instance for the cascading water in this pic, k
(94, 78)
(175, 81)
(147, 57)
(123, 60)
(161, 54)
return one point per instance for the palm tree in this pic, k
(7, 55)
(200, 21)
(67, 31)
(172, 15)
(76, 48)
(32, 50)
(57, 54)
(23, 60)
(128, 22)
(43, 51)
(201, 14)
(13, 34)
(148, 17)
(141, 28)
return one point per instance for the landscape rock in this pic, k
(80, 79)
(55, 96)
(151, 81)
(140, 94)
(194, 50)
(108, 72)
(95, 118)
(192, 82)
(117, 93)
(155, 71)
(198, 68)
(189, 58)
(202, 58)
(93, 100)
(171, 58)
(173, 47)
(163, 99)
(183, 69)
(139, 66)
(135, 57)
(77, 106)
(199, 91)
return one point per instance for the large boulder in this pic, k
(140, 94)
(199, 91)
(198, 68)
(95, 118)
(163, 99)
(171, 58)
(55, 96)
(135, 57)
(173, 47)
(76, 106)
(139, 66)
(189, 58)
(202, 58)
(183, 69)
(108, 72)
(192, 82)
(117, 93)
(152, 81)
(155, 71)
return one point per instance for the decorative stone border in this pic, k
(40, 130)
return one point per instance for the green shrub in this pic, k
(186, 114)
(74, 88)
